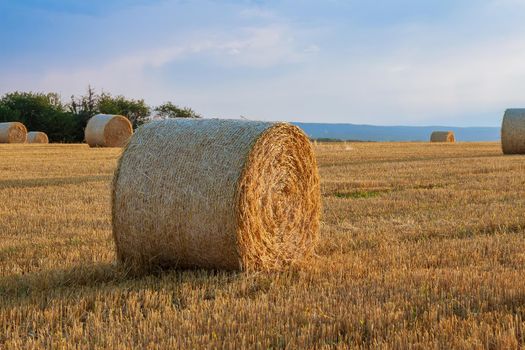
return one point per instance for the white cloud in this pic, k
(253, 47)
(468, 85)
(413, 73)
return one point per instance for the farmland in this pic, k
(421, 245)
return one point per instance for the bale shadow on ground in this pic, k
(17, 290)
(52, 181)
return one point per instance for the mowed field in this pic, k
(421, 245)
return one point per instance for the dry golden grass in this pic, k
(421, 245)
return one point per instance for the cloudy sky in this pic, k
(393, 62)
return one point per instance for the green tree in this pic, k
(136, 110)
(83, 107)
(7, 114)
(39, 112)
(170, 110)
(86, 106)
(66, 122)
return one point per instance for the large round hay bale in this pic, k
(106, 130)
(37, 137)
(513, 131)
(443, 136)
(13, 132)
(211, 193)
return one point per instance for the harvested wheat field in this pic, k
(420, 245)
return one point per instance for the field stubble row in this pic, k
(421, 244)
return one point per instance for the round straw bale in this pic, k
(211, 193)
(37, 137)
(513, 131)
(106, 130)
(442, 136)
(13, 132)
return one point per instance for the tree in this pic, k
(136, 110)
(66, 122)
(83, 107)
(39, 112)
(7, 114)
(170, 110)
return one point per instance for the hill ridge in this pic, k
(365, 132)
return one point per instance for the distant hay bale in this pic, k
(37, 137)
(106, 130)
(443, 136)
(513, 131)
(13, 132)
(210, 193)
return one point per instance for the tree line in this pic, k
(65, 122)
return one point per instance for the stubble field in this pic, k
(421, 245)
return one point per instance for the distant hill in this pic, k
(394, 133)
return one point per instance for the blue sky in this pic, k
(392, 62)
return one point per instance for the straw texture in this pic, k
(513, 131)
(106, 130)
(224, 194)
(442, 136)
(13, 132)
(37, 137)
